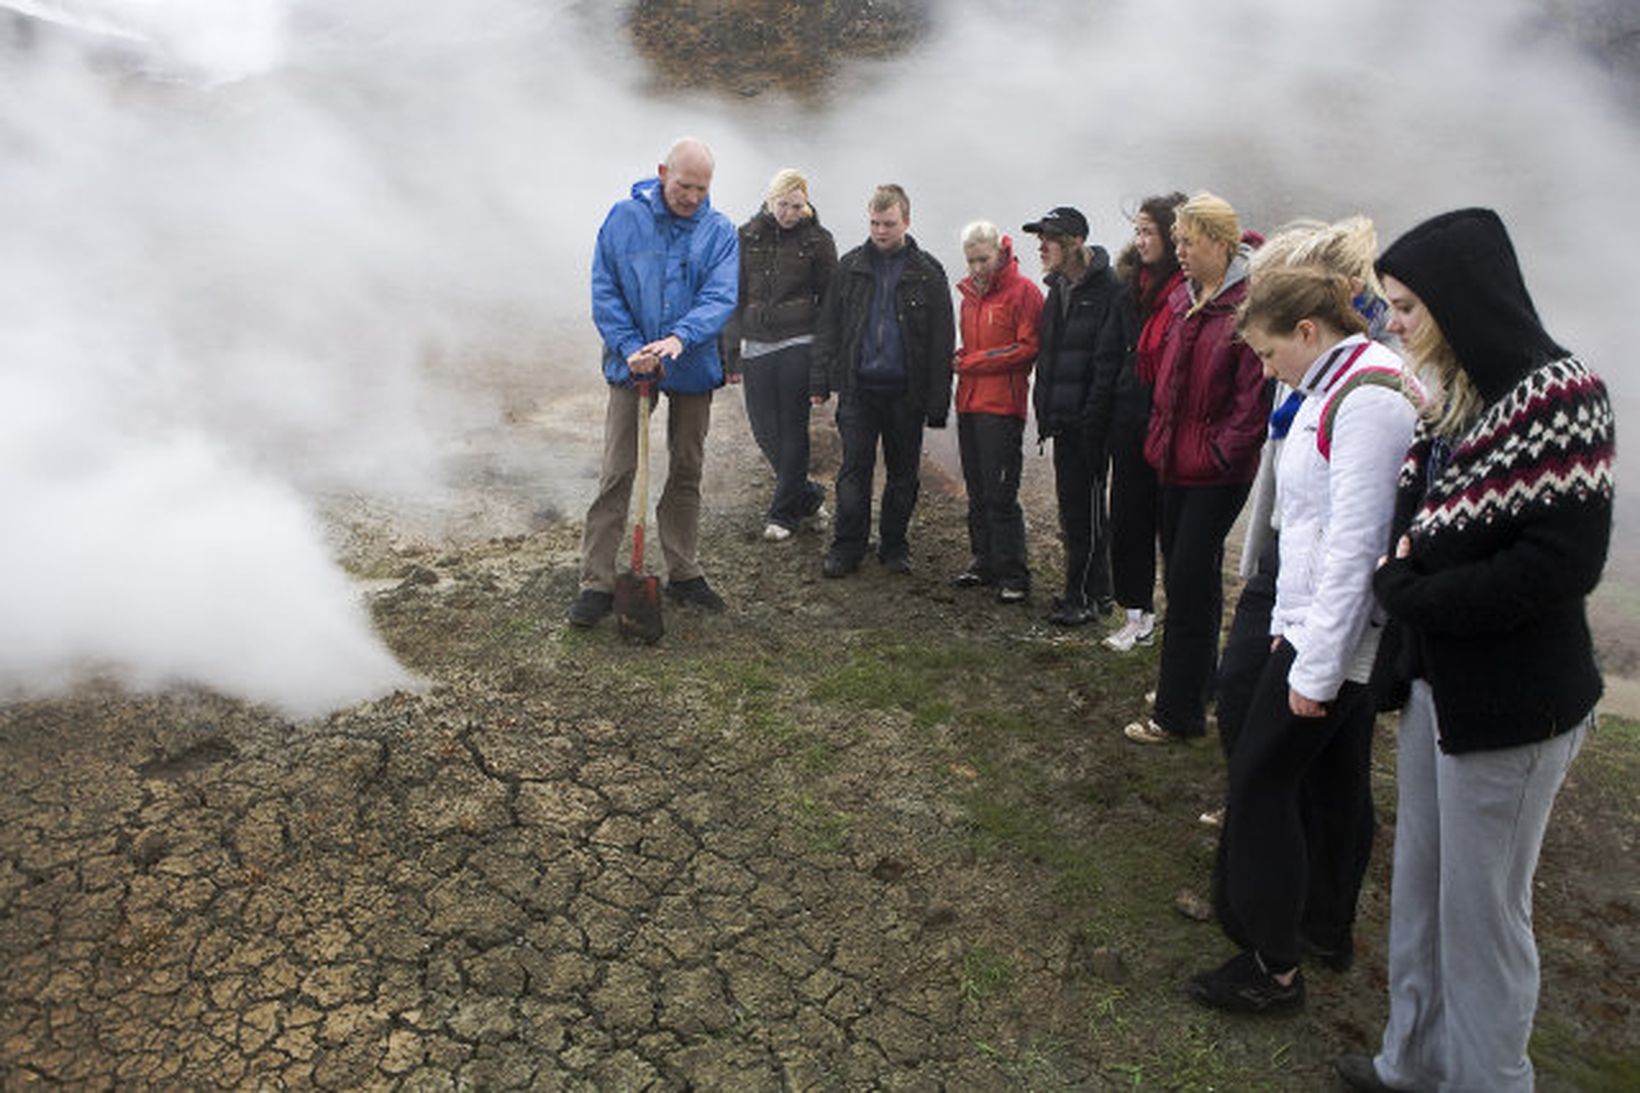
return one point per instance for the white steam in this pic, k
(256, 254)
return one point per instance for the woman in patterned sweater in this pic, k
(1503, 517)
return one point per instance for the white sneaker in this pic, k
(776, 533)
(816, 520)
(1140, 629)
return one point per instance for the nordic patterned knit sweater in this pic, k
(1509, 522)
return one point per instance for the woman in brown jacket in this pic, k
(786, 261)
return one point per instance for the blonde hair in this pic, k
(1211, 217)
(1451, 404)
(788, 180)
(887, 196)
(981, 231)
(1281, 298)
(1348, 246)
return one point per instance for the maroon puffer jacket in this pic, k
(1211, 405)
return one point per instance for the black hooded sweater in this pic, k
(1510, 534)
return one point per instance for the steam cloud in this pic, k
(265, 253)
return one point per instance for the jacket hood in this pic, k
(648, 190)
(1007, 272)
(1463, 267)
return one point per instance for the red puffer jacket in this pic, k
(999, 341)
(1210, 405)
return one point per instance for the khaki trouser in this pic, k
(677, 516)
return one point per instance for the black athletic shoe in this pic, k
(1065, 613)
(695, 592)
(838, 564)
(590, 607)
(1243, 985)
(896, 561)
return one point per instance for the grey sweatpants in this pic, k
(1463, 965)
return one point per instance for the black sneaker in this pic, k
(1013, 593)
(695, 592)
(896, 561)
(1243, 985)
(839, 564)
(590, 607)
(1066, 613)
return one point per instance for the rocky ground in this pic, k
(871, 833)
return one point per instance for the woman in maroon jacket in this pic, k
(1207, 422)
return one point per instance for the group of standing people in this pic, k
(1423, 537)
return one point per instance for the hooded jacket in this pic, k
(922, 300)
(1509, 522)
(1073, 316)
(783, 277)
(655, 274)
(1210, 404)
(999, 340)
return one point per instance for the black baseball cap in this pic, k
(1060, 220)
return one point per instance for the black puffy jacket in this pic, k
(1072, 319)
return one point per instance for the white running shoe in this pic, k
(776, 533)
(1140, 629)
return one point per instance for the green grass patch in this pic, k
(986, 974)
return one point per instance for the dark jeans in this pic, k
(777, 406)
(991, 462)
(1195, 521)
(1298, 829)
(1133, 519)
(864, 417)
(1079, 482)
(1246, 648)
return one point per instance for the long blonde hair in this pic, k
(1451, 403)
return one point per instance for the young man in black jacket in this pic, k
(883, 344)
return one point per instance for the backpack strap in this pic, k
(1392, 378)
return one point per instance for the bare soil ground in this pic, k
(869, 833)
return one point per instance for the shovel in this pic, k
(638, 597)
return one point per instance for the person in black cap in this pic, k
(1504, 517)
(1081, 290)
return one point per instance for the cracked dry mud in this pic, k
(575, 864)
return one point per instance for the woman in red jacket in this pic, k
(1000, 310)
(1207, 421)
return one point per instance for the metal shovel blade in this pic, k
(638, 607)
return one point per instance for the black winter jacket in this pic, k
(1066, 398)
(927, 328)
(783, 277)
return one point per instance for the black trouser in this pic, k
(864, 417)
(1195, 521)
(1298, 829)
(1079, 482)
(991, 462)
(1133, 518)
(1247, 647)
(777, 406)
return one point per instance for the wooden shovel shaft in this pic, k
(646, 395)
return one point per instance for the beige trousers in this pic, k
(677, 515)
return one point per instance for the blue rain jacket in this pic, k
(656, 274)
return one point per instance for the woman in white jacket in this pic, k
(1310, 721)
